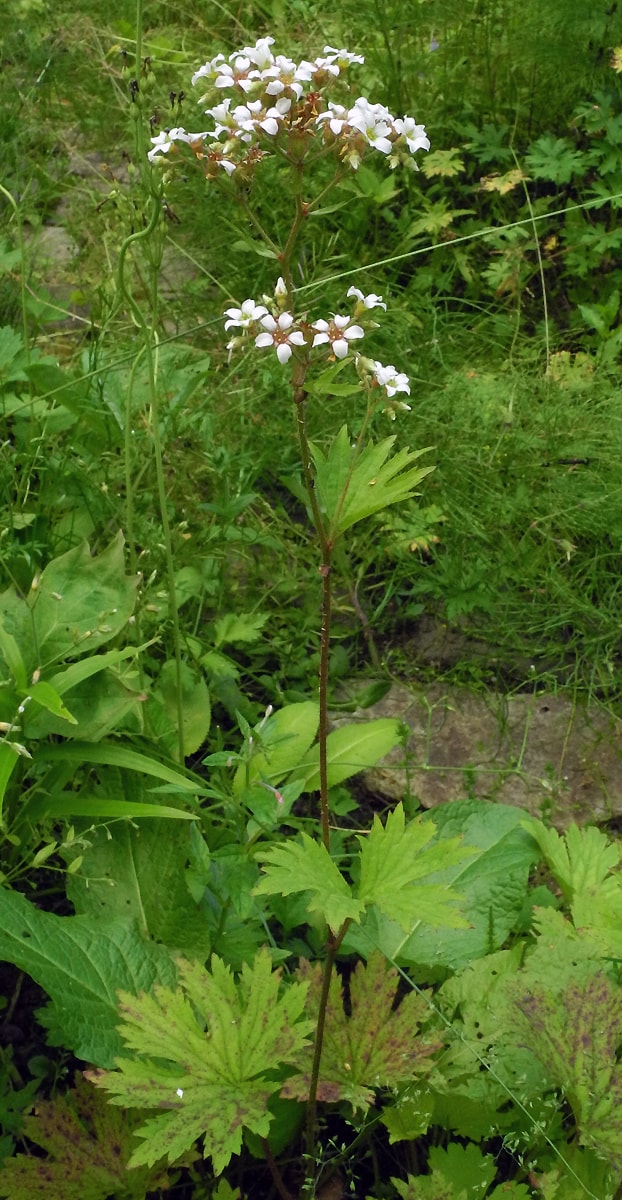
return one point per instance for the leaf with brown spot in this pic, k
(375, 1047)
(88, 1145)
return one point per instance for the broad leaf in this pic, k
(306, 866)
(77, 605)
(350, 749)
(118, 877)
(353, 484)
(374, 1047)
(207, 1055)
(285, 737)
(81, 963)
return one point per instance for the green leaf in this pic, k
(353, 484)
(87, 1146)
(306, 866)
(45, 695)
(575, 1033)
(374, 1047)
(114, 755)
(207, 1055)
(80, 602)
(69, 805)
(196, 707)
(238, 628)
(81, 963)
(411, 1115)
(11, 653)
(117, 878)
(465, 1167)
(350, 749)
(493, 884)
(285, 736)
(584, 863)
(394, 857)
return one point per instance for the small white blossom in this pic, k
(242, 318)
(164, 140)
(391, 379)
(374, 121)
(414, 135)
(338, 332)
(278, 333)
(336, 115)
(370, 301)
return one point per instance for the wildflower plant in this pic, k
(257, 105)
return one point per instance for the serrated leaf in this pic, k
(306, 866)
(207, 1054)
(581, 859)
(583, 862)
(238, 628)
(575, 1033)
(374, 1047)
(88, 1145)
(493, 883)
(465, 1167)
(350, 749)
(353, 484)
(81, 963)
(394, 858)
(411, 1115)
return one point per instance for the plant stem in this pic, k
(274, 1171)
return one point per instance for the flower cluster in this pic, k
(284, 333)
(272, 98)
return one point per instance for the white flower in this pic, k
(280, 290)
(336, 115)
(336, 60)
(260, 53)
(338, 332)
(242, 318)
(370, 301)
(208, 68)
(391, 379)
(374, 121)
(278, 335)
(164, 140)
(414, 135)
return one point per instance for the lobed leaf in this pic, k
(376, 1046)
(208, 1055)
(306, 866)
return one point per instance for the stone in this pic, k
(554, 757)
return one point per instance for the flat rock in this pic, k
(542, 752)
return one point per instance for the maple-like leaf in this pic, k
(306, 866)
(353, 484)
(396, 857)
(575, 1034)
(375, 1047)
(208, 1054)
(88, 1145)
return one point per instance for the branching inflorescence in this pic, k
(288, 112)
